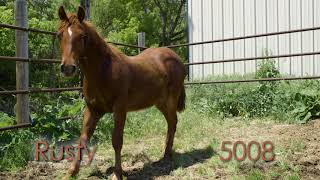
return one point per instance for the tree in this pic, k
(172, 14)
(163, 21)
(86, 4)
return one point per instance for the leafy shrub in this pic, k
(16, 146)
(15, 149)
(267, 69)
(289, 101)
(307, 102)
(5, 120)
(46, 119)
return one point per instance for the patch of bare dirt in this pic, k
(300, 143)
(34, 170)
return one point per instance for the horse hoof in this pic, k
(167, 157)
(72, 172)
(116, 177)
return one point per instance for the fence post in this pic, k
(22, 68)
(141, 40)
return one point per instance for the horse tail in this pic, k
(182, 100)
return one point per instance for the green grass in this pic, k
(255, 175)
(297, 145)
(213, 114)
(197, 146)
(197, 131)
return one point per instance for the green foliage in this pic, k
(231, 100)
(255, 175)
(16, 146)
(267, 69)
(7, 47)
(289, 101)
(46, 118)
(294, 176)
(15, 149)
(103, 132)
(121, 20)
(5, 120)
(307, 102)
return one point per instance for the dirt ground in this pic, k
(297, 150)
(297, 144)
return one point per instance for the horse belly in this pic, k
(143, 99)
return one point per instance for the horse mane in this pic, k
(91, 30)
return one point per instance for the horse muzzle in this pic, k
(68, 70)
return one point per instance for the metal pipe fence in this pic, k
(39, 90)
(253, 58)
(34, 30)
(28, 125)
(56, 61)
(52, 61)
(6, 58)
(127, 45)
(254, 80)
(245, 37)
(27, 29)
(3, 58)
(22, 125)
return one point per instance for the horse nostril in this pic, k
(68, 70)
(73, 69)
(62, 68)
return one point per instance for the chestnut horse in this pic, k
(115, 83)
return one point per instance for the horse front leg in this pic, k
(117, 138)
(89, 124)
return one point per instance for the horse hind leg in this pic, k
(172, 124)
(170, 113)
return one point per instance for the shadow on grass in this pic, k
(165, 167)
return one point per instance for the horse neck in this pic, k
(99, 57)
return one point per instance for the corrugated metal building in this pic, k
(219, 19)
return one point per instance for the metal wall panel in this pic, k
(218, 34)
(207, 34)
(316, 42)
(218, 19)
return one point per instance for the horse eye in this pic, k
(59, 35)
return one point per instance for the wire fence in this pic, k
(50, 61)
(253, 58)
(57, 61)
(245, 37)
(254, 80)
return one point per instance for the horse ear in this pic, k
(62, 14)
(81, 14)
